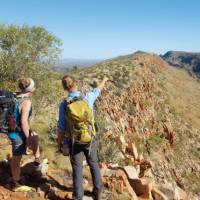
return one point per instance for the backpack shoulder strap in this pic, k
(70, 100)
(20, 100)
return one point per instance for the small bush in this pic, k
(108, 149)
(155, 142)
(52, 133)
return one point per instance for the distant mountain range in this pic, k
(188, 60)
(70, 63)
(76, 63)
(180, 59)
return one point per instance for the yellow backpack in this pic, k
(80, 120)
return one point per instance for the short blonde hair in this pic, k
(68, 82)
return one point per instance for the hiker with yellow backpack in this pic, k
(77, 131)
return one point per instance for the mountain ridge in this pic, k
(187, 60)
(139, 128)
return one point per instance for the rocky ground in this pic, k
(133, 182)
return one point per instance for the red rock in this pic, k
(102, 165)
(172, 191)
(169, 132)
(142, 186)
(61, 194)
(132, 150)
(158, 195)
(117, 181)
(131, 172)
(52, 174)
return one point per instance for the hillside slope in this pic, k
(136, 106)
(183, 93)
(140, 126)
(188, 60)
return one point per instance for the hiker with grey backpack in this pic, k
(76, 132)
(15, 112)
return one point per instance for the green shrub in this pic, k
(155, 142)
(108, 149)
(52, 133)
(25, 50)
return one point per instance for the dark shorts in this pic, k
(19, 145)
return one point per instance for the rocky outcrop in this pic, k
(126, 179)
(169, 191)
(139, 118)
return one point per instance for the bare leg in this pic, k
(34, 144)
(15, 167)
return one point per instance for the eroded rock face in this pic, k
(169, 132)
(142, 186)
(117, 181)
(172, 191)
(158, 195)
(143, 125)
(169, 191)
(127, 179)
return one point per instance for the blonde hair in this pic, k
(68, 82)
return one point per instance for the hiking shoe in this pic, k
(17, 187)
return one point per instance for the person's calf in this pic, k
(34, 144)
(15, 167)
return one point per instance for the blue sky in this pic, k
(108, 28)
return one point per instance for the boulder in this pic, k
(56, 177)
(87, 198)
(107, 172)
(140, 157)
(116, 180)
(142, 186)
(43, 168)
(132, 150)
(120, 174)
(172, 191)
(145, 167)
(131, 172)
(182, 194)
(158, 195)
